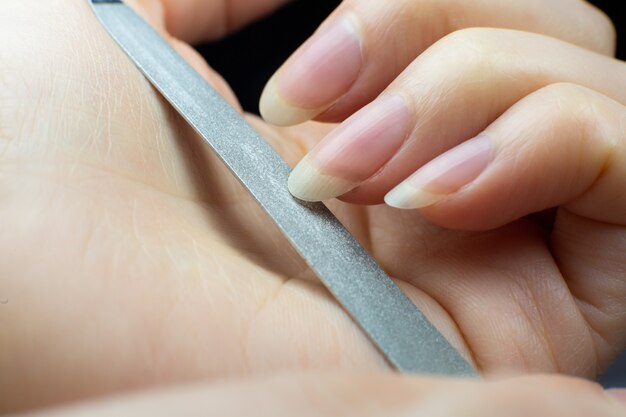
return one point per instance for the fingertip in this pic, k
(276, 110)
(317, 75)
(307, 183)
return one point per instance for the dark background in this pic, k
(249, 57)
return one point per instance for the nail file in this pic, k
(392, 322)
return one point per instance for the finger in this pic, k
(364, 45)
(450, 93)
(88, 146)
(201, 20)
(372, 395)
(562, 145)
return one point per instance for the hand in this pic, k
(371, 394)
(131, 258)
(544, 106)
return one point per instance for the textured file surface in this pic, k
(392, 322)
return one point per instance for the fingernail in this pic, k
(617, 393)
(317, 75)
(353, 152)
(444, 175)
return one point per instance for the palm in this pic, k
(132, 257)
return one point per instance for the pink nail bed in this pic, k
(362, 144)
(325, 67)
(456, 168)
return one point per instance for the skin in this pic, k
(366, 394)
(131, 259)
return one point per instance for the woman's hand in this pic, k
(368, 394)
(484, 130)
(366, 44)
(131, 258)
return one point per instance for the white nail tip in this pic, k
(277, 111)
(308, 184)
(404, 196)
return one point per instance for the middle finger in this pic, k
(449, 94)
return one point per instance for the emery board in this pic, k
(399, 330)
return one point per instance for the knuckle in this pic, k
(458, 58)
(476, 39)
(461, 61)
(565, 96)
(463, 49)
(572, 108)
(472, 51)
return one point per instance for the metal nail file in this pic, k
(393, 323)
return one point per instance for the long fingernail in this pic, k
(618, 394)
(353, 152)
(321, 71)
(444, 175)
